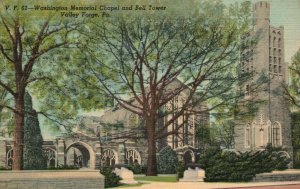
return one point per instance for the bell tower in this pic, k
(271, 123)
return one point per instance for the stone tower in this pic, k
(271, 123)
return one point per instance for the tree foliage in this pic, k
(203, 136)
(137, 59)
(295, 123)
(28, 45)
(6, 116)
(293, 90)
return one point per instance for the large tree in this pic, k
(136, 58)
(293, 90)
(27, 45)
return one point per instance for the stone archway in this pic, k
(80, 154)
(188, 157)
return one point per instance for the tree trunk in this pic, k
(18, 134)
(151, 162)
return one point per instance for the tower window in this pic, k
(248, 91)
(274, 51)
(279, 52)
(270, 67)
(279, 60)
(248, 136)
(275, 60)
(279, 69)
(276, 134)
(275, 69)
(279, 42)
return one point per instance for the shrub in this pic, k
(180, 168)
(4, 168)
(137, 168)
(237, 166)
(33, 140)
(111, 179)
(134, 167)
(167, 161)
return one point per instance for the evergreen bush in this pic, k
(137, 168)
(167, 161)
(180, 168)
(233, 166)
(33, 157)
(111, 179)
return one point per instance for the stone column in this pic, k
(121, 149)
(60, 156)
(2, 153)
(98, 155)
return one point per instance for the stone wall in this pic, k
(51, 180)
(288, 175)
(2, 153)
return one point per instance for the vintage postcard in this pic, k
(149, 94)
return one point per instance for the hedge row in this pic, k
(232, 166)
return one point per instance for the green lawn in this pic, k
(130, 185)
(157, 178)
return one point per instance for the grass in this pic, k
(130, 185)
(157, 178)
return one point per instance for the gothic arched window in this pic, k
(109, 158)
(276, 134)
(133, 156)
(9, 158)
(49, 154)
(248, 136)
(248, 91)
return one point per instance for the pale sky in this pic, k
(287, 14)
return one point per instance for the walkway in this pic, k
(205, 185)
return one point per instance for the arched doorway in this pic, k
(188, 157)
(81, 155)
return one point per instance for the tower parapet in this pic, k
(261, 14)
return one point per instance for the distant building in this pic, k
(272, 123)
